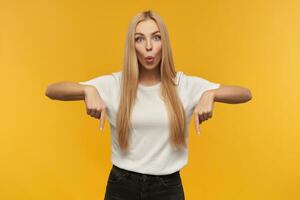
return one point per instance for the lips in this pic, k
(149, 58)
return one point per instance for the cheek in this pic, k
(158, 47)
(138, 50)
(159, 50)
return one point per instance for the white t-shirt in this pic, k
(150, 150)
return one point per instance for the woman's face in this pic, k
(148, 43)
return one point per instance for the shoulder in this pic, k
(116, 75)
(179, 75)
(186, 77)
(113, 77)
(189, 81)
(109, 79)
(183, 78)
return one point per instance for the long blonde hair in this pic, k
(129, 85)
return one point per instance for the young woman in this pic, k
(149, 106)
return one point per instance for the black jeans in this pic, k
(128, 185)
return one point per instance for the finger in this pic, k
(93, 113)
(196, 118)
(102, 119)
(88, 110)
(210, 115)
(201, 118)
(87, 107)
(205, 115)
(98, 114)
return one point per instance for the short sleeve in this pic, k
(104, 84)
(195, 86)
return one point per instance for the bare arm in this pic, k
(226, 94)
(67, 91)
(231, 94)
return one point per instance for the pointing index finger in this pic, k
(196, 117)
(102, 119)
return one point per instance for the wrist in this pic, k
(211, 93)
(88, 88)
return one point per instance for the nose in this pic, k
(148, 45)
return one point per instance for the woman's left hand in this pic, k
(204, 109)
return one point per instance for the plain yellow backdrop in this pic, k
(53, 150)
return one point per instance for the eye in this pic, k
(158, 37)
(138, 39)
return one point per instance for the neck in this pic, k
(149, 76)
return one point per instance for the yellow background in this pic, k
(53, 150)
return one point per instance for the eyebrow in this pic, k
(151, 34)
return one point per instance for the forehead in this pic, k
(146, 27)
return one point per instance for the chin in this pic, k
(151, 66)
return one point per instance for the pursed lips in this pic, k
(149, 58)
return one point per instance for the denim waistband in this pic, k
(148, 175)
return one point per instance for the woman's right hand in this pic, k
(95, 106)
